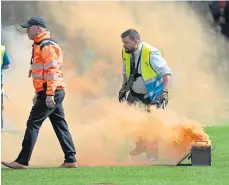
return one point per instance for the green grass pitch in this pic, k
(217, 174)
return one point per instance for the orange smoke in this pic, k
(175, 137)
(103, 130)
(114, 135)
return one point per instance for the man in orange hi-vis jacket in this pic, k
(47, 76)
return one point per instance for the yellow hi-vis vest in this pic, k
(153, 81)
(2, 53)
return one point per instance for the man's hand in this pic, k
(35, 99)
(50, 102)
(122, 94)
(5, 67)
(164, 97)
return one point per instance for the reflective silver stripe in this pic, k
(53, 76)
(47, 66)
(37, 66)
(46, 41)
(51, 64)
(37, 76)
(47, 76)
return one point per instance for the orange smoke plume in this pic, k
(103, 130)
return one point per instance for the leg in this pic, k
(2, 107)
(143, 145)
(60, 127)
(147, 103)
(38, 114)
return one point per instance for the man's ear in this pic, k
(136, 42)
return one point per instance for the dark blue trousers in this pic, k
(37, 116)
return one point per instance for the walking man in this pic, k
(47, 77)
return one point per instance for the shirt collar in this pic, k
(138, 50)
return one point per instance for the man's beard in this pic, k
(129, 50)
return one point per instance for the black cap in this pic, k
(34, 21)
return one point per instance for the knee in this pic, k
(32, 125)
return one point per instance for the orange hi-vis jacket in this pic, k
(46, 65)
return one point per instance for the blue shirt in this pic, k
(6, 61)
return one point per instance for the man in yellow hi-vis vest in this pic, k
(5, 62)
(152, 74)
(148, 72)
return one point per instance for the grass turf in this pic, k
(218, 173)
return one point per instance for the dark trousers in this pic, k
(151, 149)
(2, 107)
(134, 97)
(37, 116)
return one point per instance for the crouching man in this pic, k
(146, 76)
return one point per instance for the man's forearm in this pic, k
(166, 82)
(124, 79)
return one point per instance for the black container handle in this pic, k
(213, 148)
(201, 141)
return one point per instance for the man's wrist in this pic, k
(165, 90)
(50, 92)
(124, 84)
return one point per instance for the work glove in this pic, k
(122, 94)
(164, 97)
(50, 102)
(35, 99)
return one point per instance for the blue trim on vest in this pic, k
(154, 90)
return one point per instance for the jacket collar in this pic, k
(42, 36)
